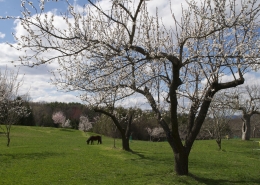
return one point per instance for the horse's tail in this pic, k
(100, 139)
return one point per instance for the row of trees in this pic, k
(113, 54)
(144, 124)
(43, 113)
(224, 107)
(59, 119)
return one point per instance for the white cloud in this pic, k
(136, 100)
(36, 81)
(2, 35)
(164, 10)
(60, 98)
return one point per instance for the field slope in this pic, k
(40, 155)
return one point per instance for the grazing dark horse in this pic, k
(94, 138)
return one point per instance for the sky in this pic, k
(37, 79)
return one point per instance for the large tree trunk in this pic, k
(126, 135)
(181, 163)
(181, 155)
(218, 140)
(246, 128)
(125, 143)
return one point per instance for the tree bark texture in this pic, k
(246, 128)
(218, 140)
(125, 143)
(8, 139)
(181, 164)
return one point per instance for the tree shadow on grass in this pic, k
(67, 130)
(142, 156)
(207, 181)
(34, 155)
(139, 154)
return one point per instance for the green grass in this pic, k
(40, 155)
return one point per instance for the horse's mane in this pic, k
(89, 138)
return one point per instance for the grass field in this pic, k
(40, 155)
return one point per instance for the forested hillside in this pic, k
(144, 126)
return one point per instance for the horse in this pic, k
(94, 138)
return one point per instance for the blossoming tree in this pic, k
(11, 108)
(58, 118)
(219, 116)
(245, 100)
(84, 123)
(127, 49)
(66, 124)
(156, 132)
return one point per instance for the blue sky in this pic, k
(13, 8)
(8, 7)
(36, 80)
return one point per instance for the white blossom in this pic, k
(84, 123)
